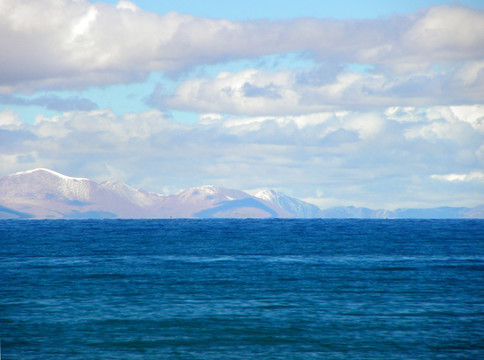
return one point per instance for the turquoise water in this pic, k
(242, 289)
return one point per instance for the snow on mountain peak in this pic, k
(206, 189)
(295, 206)
(201, 191)
(52, 172)
(43, 193)
(268, 195)
(117, 185)
(49, 181)
(212, 193)
(135, 196)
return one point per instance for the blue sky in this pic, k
(374, 103)
(279, 9)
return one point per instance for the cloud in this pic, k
(81, 44)
(258, 92)
(14, 139)
(50, 102)
(381, 135)
(462, 125)
(127, 5)
(445, 32)
(269, 91)
(362, 157)
(247, 92)
(473, 176)
(8, 120)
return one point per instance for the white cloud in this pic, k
(471, 74)
(375, 137)
(463, 125)
(8, 120)
(405, 113)
(246, 92)
(474, 115)
(258, 92)
(127, 5)
(103, 125)
(445, 32)
(80, 43)
(473, 176)
(358, 157)
(82, 26)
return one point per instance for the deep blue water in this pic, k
(242, 289)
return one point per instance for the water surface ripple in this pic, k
(242, 289)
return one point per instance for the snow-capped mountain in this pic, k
(210, 201)
(43, 193)
(296, 207)
(139, 197)
(302, 209)
(33, 183)
(46, 194)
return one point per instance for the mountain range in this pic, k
(46, 194)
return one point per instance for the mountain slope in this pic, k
(296, 207)
(475, 213)
(43, 193)
(213, 202)
(444, 212)
(352, 212)
(46, 194)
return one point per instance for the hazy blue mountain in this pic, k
(348, 212)
(433, 213)
(476, 212)
(445, 212)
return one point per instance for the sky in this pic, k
(377, 103)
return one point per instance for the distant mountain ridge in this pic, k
(444, 212)
(46, 194)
